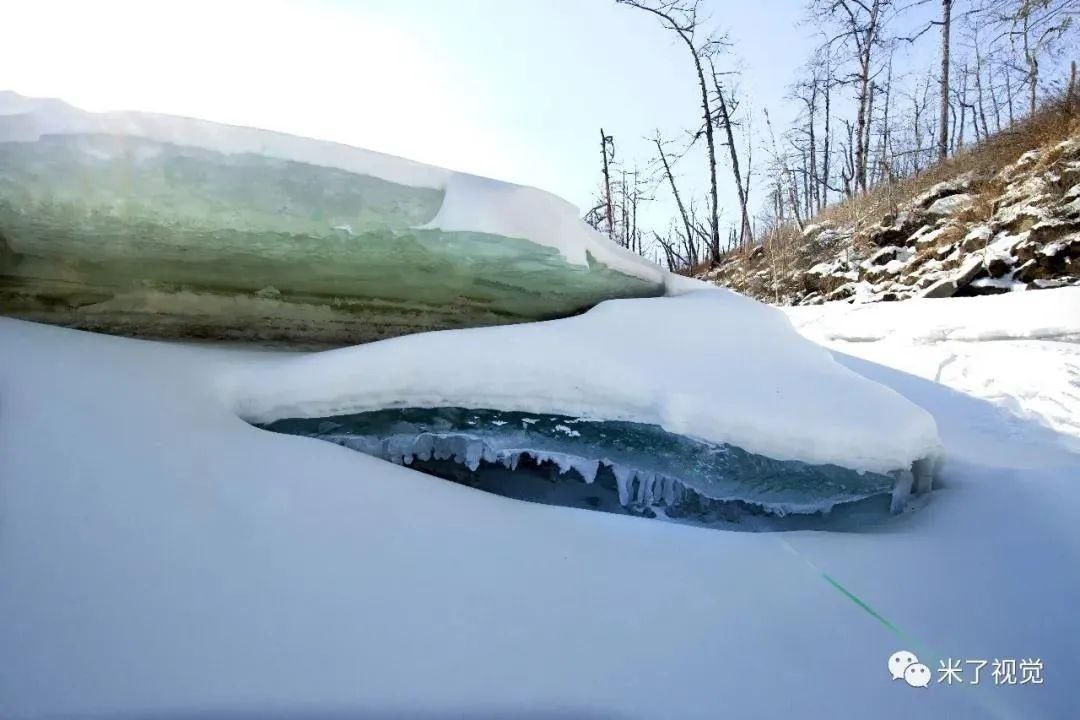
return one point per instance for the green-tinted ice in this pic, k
(129, 235)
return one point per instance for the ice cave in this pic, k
(616, 466)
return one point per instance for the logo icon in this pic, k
(901, 661)
(917, 675)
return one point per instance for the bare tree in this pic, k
(1035, 28)
(607, 149)
(725, 110)
(861, 25)
(943, 111)
(683, 215)
(681, 17)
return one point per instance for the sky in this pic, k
(512, 89)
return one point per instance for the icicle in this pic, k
(646, 480)
(474, 453)
(423, 446)
(901, 490)
(587, 469)
(668, 491)
(622, 481)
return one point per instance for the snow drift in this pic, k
(708, 364)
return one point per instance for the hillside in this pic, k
(1001, 216)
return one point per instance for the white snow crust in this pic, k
(709, 364)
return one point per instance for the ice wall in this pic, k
(154, 225)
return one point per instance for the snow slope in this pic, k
(162, 558)
(709, 364)
(1019, 351)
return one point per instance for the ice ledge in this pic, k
(471, 203)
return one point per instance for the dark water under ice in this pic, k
(611, 466)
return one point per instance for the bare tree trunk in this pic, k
(994, 101)
(784, 170)
(674, 190)
(725, 120)
(865, 95)
(943, 129)
(885, 158)
(1009, 95)
(1030, 56)
(828, 139)
(980, 106)
(868, 127)
(625, 242)
(861, 130)
(962, 102)
(813, 196)
(714, 209)
(605, 140)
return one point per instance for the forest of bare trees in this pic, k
(862, 120)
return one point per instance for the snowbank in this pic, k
(1043, 315)
(1017, 350)
(709, 364)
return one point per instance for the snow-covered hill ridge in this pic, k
(964, 236)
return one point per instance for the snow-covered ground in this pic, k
(161, 557)
(1019, 351)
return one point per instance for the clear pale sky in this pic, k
(511, 89)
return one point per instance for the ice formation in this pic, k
(149, 224)
(642, 468)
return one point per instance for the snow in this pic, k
(1016, 350)
(749, 381)
(950, 205)
(1005, 282)
(161, 557)
(1027, 316)
(482, 205)
(470, 203)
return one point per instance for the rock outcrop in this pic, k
(1020, 230)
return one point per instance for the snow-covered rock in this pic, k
(950, 205)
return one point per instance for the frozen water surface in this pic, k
(612, 466)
